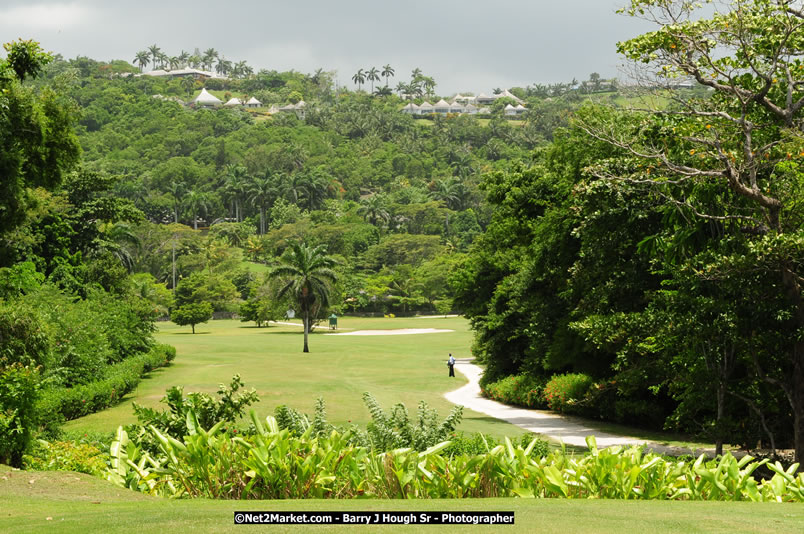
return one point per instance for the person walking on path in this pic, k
(451, 365)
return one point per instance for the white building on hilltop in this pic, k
(464, 104)
(205, 100)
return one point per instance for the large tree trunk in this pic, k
(721, 400)
(306, 330)
(795, 392)
(797, 399)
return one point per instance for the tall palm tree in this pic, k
(429, 84)
(294, 187)
(177, 191)
(174, 62)
(224, 66)
(315, 183)
(142, 58)
(307, 274)
(188, 84)
(387, 72)
(196, 202)
(359, 78)
(210, 54)
(119, 239)
(373, 210)
(373, 75)
(239, 69)
(236, 185)
(155, 51)
(447, 191)
(296, 155)
(262, 190)
(183, 58)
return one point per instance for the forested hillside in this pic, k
(625, 258)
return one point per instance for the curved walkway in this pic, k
(556, 427)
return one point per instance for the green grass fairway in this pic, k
(400, 368)
(72, 502)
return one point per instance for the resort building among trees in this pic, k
(464, 104)
(206, 100)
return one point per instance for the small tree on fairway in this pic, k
(192, 314)
(262, 306)
(307, 274)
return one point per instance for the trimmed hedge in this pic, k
(519, 390)
(119, 379)
(563, 392)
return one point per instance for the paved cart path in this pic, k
(569, 430)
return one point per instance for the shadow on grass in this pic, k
(187, 333)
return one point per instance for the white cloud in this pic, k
(55, 16)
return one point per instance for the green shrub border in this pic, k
(518, 390)
(119, 379)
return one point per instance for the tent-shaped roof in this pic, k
(509, 94)
(411, 106)
(441, 104)
(253, 102)
(234, 102)
(509, 106)
(206, 99)
(426, 106)
(470, 107)
(273, 109)
(301, 104)
(520, 106)
(289, 107)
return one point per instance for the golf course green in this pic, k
(340, 368)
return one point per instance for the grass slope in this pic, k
(401, 368)
(72, 502)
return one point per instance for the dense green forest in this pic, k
(652, 257)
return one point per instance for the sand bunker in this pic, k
(398, 332)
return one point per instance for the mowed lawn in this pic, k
(73, 502)
(398, 368)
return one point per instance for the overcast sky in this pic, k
(464, 45)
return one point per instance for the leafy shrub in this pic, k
(228, 408)
(564, 391)
(22, 335)
(298, 423)
(18, 389)
(127, 322)
(392, 430)
(86, 335)
(520, 390)
(275, 464)
(385, 432)
(477, 443)
(118, 380)
(66, 456)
